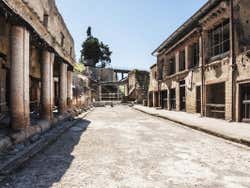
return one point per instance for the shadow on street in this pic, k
(49, 166)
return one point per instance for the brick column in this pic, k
(3, 107)
(69, 89)
(19, 73)
(201, 64)
(231, 83)
(154, 101)
(177, 97)
(100, 92)
(47, 86)
(177, 61)
(204, 45)
(63, 88)
(149, 100)
(169, 108)
(187, 57)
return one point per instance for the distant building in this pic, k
(106, 84)
(82, 92)
(138, 82)
(153, 97)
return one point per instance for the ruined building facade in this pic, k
(204, 66)
(138, 82)
(36, 61)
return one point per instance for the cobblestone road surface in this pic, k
(125, 148)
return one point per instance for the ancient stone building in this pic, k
(138, 82)
(203, 67)
(82, 92)
(107, 84)
(153, 90)
(36, 62)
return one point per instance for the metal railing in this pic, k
(111, 96)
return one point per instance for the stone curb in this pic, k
(41, 127)
(214, 133)
(19, 159)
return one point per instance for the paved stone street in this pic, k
(125, 148)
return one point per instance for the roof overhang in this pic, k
(27, 16)
(190, 24)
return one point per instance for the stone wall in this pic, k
(138, 82)
(153, 84)
(44, 18)
(56, 25)
(101, 74)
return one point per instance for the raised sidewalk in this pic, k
(236, 132)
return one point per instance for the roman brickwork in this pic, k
(203, 67)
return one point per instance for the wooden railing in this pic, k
(246, 110)
(216, 110)
(111, 96)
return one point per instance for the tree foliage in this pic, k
(94, 52)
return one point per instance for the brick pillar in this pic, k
(202, 75)
(47, 86)
(231, 84)
(149, 100)
(100, 92)
(69, 88)
(228, 98)
(3, 107)
(177, 61)
(204, 61)
(187, 57)
(63, 88)
(19, 73)
(177, 95)
(154, 101)
(168, 108)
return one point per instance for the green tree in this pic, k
(94, 52)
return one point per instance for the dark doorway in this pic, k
(172, 99)
(164, 99)
(156, 99)
(198, 99)
(245, 103)
(182, 95)
(216, 100)
(56, 93)
(34, 94)
(150, 98)
(4, 90)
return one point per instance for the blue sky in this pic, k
(132, 28)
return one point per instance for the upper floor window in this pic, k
(160, 70)
(218, 37)
(70, 51)
(182, 61)
(172, 66)
(155, 75)
(62, 39)
(194, 55)
(45, 20)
